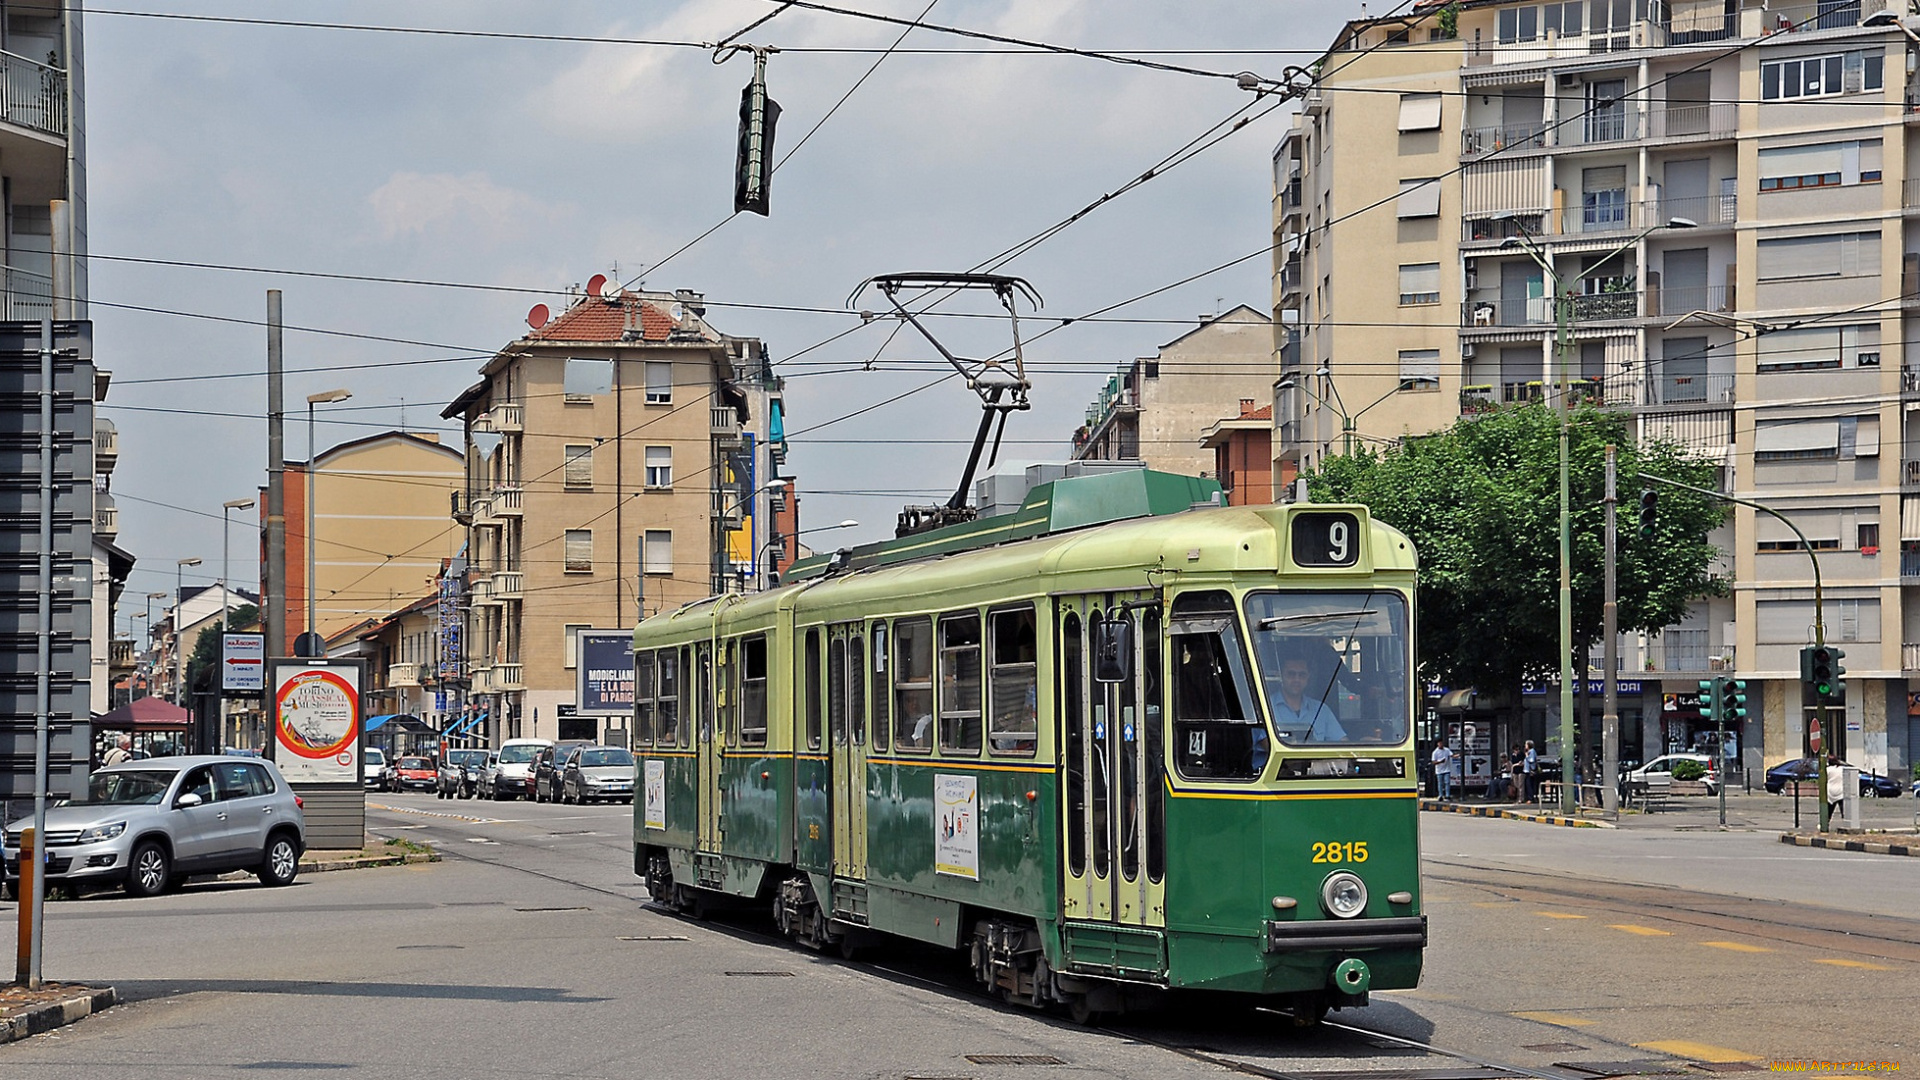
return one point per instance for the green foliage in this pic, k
(1480, 501)
(1450, 21)
(1688, 769)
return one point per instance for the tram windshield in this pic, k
(1333, 665)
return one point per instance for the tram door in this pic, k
(847, 730)
(707, 746)
(1113, 778)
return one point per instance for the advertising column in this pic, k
(318, 733)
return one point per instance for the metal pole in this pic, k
(1563, 362)
(43, 679)
(307, 542)
(274, 595)
(1720, 746)
(1610, 626)
(220, 702)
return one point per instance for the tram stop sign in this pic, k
(243, 663)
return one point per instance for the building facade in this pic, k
(619, 462)
(1728, 192)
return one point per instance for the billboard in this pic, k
(243, 662)
(603, 672)
(317, 720)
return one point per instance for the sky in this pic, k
(530, 166)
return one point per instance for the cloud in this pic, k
(411, 203)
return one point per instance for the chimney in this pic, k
(1246, 407)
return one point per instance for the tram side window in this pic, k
(1074, 752)
(857, 686)
(1217, 733)
(1014, 687)
(643, 697)
(837, 687)
(728, 703)
(882, 724)
(913, 684)
(960, 683)
(666, 706)
(753, 691)
(813, 689)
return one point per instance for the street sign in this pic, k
(243, 662)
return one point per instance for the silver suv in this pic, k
(148, 824)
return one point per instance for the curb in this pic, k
(55, 1014)
(1831, 843)
(1436, 806)
(364, 862)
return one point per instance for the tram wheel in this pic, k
(1309, 1014)
(1081, 1011)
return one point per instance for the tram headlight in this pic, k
(1343, 894)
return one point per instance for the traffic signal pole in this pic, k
(1819, 616)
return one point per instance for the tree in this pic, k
(1480, 501)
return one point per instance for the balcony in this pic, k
(506, 501)
(403, 675)
(1910, 570)
(480, 679)
(483, 515)
(33, 95)
(106, 517)
(509, 677)
(106, 444)
(1612, 306)
(509, 417)
(1505, 137)
(1821, 15)
(29, 296)
(508, 584)
(122, 655)
(1705, 120)
(1674, 301)
(1600, 127)
(482, 593)
(723, 423)
(1478, 399)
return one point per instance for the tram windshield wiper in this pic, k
(1272, 621)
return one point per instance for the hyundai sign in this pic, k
(603, 672)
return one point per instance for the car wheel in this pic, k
(281, 862)
(149, 871)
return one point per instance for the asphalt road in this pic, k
(530, 952)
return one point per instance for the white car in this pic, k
(1663, 766)
(510, 771)
(371, 762)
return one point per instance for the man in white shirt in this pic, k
(120, 751)
(1298, 717)
(1442, 769)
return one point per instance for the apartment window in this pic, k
(1838, 255)
(1790, 168)
(1419, 112)
(583, 378)
(1869, 536)
(579, 551)
(1603, 197)
(656, 551)
(659, 466)
(1420, 369)
(1820, 76)
(572, 642)
(1564, 20)
(659, 382)
(579, 468)
(1518, 24)
(1796, 440)
(1811, 348)
(1420, 198)
(1419, 284)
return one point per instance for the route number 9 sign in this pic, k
(1326, 538)
(317, 722)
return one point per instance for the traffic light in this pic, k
(1710, 697)
(753, 165)
(1649, 505)
(1733, 701)
(1821, 670)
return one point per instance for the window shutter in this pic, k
(1421, 367)
(657, 553)
(659, 382)
(1420, 198)
(579, 549)
(1785, 436)
(1419, 112)
(1813, 160)
(1866, 437)
(579, 470)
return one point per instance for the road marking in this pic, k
(480, 840)
(433, 814)
(1734, 946)
(1556, 1019)
(1559, 915)
(1698, 1051)
(1491, 903)
(1643, 931)
(1861, 964)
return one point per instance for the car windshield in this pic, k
(1334, 666)
(519, 755)
(376, 757)
(605, 757)
(468, 757)
(131, 788)
(415, 763)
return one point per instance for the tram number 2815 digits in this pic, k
(1338, 852)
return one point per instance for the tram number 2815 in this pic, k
(1326, 538)
(1338, 852)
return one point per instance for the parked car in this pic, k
(594, 773)
(546, 769)
(373, 763)
(460, 773)
(414, 773)
(509, 774)
(1663, 766)
(148, 825)
(1807, 771)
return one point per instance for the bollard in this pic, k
(29, 866)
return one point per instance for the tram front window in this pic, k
(1217, 731)
(1334, 666)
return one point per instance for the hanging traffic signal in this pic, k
(753, 165)
(1733, 701)
(1710, 697)
(1649, 505)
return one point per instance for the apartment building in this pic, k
(620, 461)
(1157, 408)
(1728, 190)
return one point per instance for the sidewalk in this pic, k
(1754, 811)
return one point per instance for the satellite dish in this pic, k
(537, 318)
(597, 285)
(677, 312)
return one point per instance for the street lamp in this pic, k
(1337, 405)
(226, 521)
(776, 538)
(327, 397)
(179, 635)
(1563, 313)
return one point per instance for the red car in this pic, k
(415, 774)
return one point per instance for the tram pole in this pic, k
(1610, 679)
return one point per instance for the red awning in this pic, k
(146, 714)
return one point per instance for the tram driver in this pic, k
(1298, 715)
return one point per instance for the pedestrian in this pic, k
(1836, 789)
(120, 751)
(1530, 767)
(1517, 775)
(1442, 769)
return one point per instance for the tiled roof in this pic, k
(597, 319)
(1264, 412)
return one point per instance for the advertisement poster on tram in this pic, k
(654, 798)
(316, 721)
(956, 836)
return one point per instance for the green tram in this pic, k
(1167, 753)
